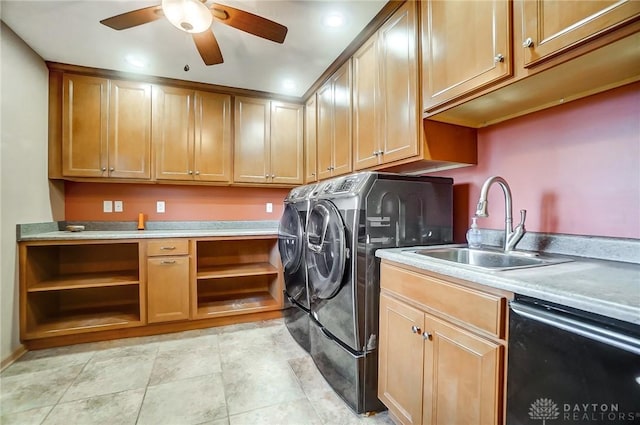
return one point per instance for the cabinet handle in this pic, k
(168, 262)
(168, 248)
(197, 173)
(427, 335)
(415, 329)
(104, 168)
(376, 153)
(313, 174)
(528, 42)
(498, 58)
(190, 172)
(273, 176)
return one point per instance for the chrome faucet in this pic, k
(511, 236)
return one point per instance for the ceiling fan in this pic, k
(195, 17)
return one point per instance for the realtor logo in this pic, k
(544, 408)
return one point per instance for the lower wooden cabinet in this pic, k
(167, 280)
(74, 291)
(433, 367)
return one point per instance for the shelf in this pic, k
(86, 280)
(236, 270)
(84, 321)
(224, 304)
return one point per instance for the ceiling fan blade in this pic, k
(207, 45)
(248, 22)
(134, 18)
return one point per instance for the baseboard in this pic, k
(22, 350)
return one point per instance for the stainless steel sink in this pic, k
(486, 259)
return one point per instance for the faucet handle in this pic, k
(523, 217)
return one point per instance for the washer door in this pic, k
(290, 239)
(326, 249)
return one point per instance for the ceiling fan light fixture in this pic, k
(191, 16)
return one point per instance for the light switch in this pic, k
(269, 207)
(117, 206)
(160, 207)
(107, 206)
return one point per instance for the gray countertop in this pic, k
(608, 288)
(126, 230)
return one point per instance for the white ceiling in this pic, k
(69, 32)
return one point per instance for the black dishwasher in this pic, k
(567, 366)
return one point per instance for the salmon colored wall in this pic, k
(83, 202)
(575, 168)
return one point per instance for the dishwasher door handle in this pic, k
(569, 324)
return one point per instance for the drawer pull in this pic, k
(168, 262)
(415, 329)
(168, 248)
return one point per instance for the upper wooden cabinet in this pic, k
(386, 109)
(310, 141)
(334, 124)
(106, 128)
(268, 142)
(466, 82)
(553, 26)
(191, 135)
(466, 46)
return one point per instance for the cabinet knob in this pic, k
(104, 168)
(313, 174)
(415, 329)
(197, 173)
(498, 58)
(111, 169)
(376, 153)
(190, 172)
(273, 176)
(528, 42)
(427, 335)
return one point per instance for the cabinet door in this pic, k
(462, 376)
(251, 147)
(341, 146)
(325, 130)
(84, 126)
(212, 141)
(556, 25)
(400, 370)
(173, 133)
(366, 106)
(130, 130)
(400, 110)
(286, 145)
(462, 42)
(167, 289)
(310, 141)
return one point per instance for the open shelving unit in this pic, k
(73, 288)
(236, 276)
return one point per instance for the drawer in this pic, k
(479, 309)
(167, 247)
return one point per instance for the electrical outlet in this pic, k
(269, 207)
(107, 206)
(117, 206)
(160, 207)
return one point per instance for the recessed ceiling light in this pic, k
(136, 61)
(333, 20)
(288, 85)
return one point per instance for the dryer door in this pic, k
(326, 249)
(290, 239)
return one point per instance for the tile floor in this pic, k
(252, 374)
